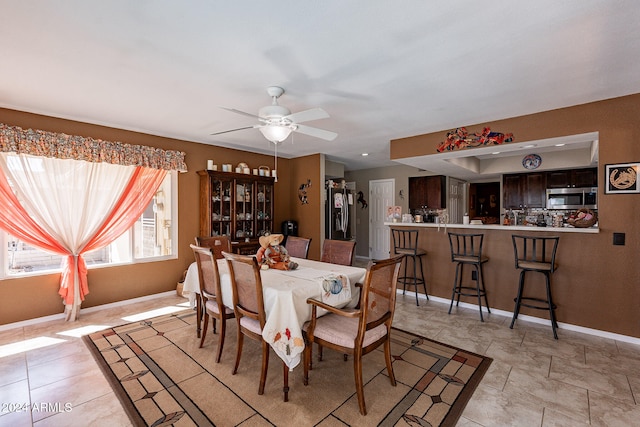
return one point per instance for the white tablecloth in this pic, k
(285, 299)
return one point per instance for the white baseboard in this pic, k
(504, 313)
(61, 316)
(509, 314)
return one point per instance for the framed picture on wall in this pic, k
(622, 178)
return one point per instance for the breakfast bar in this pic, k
(579, 283)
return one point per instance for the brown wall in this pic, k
(33, 297)
(598, 284)
(307, 215)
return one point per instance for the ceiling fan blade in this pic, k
(307, 115)
(233, 130)
(233, 110)
(315, 132)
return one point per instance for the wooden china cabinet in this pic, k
(236, 205)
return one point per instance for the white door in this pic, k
(381, 195)
(456, 205)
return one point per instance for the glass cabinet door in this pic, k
(220, 207)
(239, 206)
(264, 208)
(244, 210)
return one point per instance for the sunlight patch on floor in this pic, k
(26, 345)
(154, 313)
(85, 330)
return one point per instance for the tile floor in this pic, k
(533, 380)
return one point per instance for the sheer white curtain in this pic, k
(67, 198)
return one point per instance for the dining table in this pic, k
(285, 295)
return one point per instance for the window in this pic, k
(152, 237)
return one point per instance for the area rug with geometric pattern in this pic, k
(162, 377)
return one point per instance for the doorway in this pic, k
(381, 195)
(484, 202)
(456, 200)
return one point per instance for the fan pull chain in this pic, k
(275, 167)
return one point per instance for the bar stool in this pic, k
(466, 249)
(405, 242)
(537, 254)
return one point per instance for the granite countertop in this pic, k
(496, 227)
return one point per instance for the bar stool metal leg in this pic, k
(552, 307)
(404, 278)
(484, 291)
(478, 291)
(518, 299)
(456, 287)
(424, 281)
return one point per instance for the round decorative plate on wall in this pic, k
(531, 161)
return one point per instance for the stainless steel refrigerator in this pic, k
(339, 214)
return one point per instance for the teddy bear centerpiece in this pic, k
(274, 255)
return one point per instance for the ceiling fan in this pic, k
(277, 122)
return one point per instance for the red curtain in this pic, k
(15, 220)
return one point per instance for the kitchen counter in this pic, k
(495, 227)
(579, 284)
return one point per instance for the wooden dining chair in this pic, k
(211, 295)
(298, 246)
(358, 332)
(338, 251)
(219, 244)
(248, 306)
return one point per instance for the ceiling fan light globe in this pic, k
(275, 133)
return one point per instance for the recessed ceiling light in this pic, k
(560, 145)
(496, 152)
(365, 154)
(529, 146)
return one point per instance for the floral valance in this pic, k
(61, 146)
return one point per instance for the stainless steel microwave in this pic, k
(572, 198)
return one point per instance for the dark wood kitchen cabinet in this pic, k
(429, 191)
(524, 189)
(587, 177)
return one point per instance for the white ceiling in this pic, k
(382, 69)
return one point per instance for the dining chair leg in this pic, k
(285, 387)
(198, 313)
(357, 372)
(387, 359)
(265, 366)
(223, 330)
(206, 325)
(238, 349)
(307, 363)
